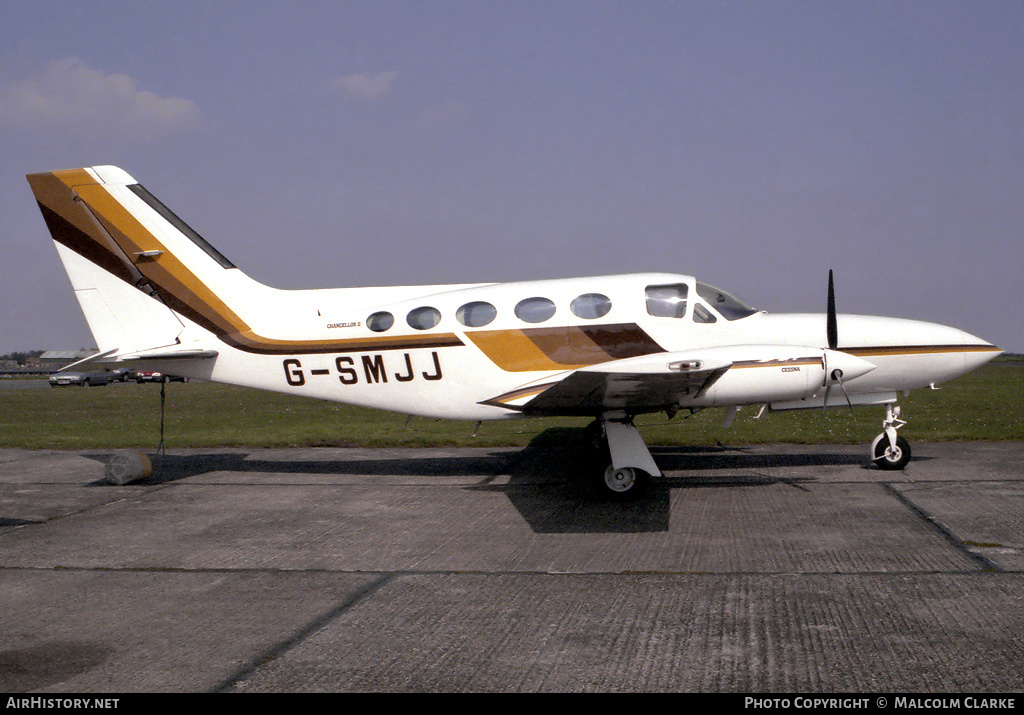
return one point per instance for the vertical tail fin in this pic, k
(150, 286)
(136, 268)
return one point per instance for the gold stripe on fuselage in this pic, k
(894, 350)
(178, 286)
(562, 348)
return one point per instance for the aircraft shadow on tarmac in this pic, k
(545, 481)
(566, 501)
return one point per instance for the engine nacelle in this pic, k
(775, 373)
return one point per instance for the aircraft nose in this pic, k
(977, 352)
(911, 354)
(954, 352)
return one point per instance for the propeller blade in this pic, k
(837, 377)
(838, 374)
(831, 323)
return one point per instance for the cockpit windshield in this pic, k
(726, 305)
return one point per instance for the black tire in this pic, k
(889, 459)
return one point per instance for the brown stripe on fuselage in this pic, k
(180, 289)
(783, 362)
(513, 350)
(885, 350)
(256, 344)
(561, 348)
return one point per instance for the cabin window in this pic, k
(727, 306)
(591, 306)
(535, 310)
(667, 301)
(476, 314)
(379, 322)
(702, 314)
(424, 318)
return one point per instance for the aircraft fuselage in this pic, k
(452, 370)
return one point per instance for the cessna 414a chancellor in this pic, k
(157, 296)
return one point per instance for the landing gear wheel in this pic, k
(886, 457)
(622, 484)
(620, 481)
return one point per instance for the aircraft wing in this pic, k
(643, 384)
(708, 376)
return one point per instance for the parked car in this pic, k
(143, 376)
(85, 379)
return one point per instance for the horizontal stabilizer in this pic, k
(171, 354)
(98, 357)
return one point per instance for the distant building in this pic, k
(56, 359)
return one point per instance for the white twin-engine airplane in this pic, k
(159, 297)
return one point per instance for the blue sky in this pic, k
(752, 144)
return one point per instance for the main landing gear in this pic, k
(620, 463)
(889, 450)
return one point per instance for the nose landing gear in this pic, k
(890, 451)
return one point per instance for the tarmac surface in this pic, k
(769, 569)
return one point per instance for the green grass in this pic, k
(985, 405)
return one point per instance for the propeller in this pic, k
(831, 324)
(837, 376)
(832, 331)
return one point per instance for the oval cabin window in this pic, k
(379, 322)
(591, 306)
(535, 310)
(476, 314)
(424, 318)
